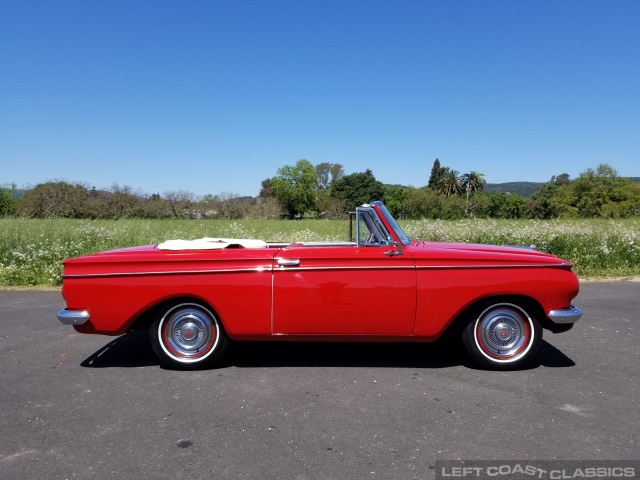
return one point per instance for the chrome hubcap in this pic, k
(188, 331)
(502, 332)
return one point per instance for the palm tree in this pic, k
(450, 183)
(473, 182)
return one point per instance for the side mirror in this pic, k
(396, 249)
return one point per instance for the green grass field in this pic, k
(32, 251)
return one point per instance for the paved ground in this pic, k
(75, 406)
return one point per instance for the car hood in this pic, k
(439, 252)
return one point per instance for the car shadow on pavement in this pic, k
(342, 354)
(550, 356)
(129, 350)
(133, 350)
(442, 354)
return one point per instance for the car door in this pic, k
(351, 289)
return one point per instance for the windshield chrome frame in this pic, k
(379, 226)
(393, 224)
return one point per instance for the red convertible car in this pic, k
(194, 295)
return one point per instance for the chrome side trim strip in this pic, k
(411, 267)
(480, 267)
(176, 272)
(381, 267)
(298, 269)
(311, 269)
(431, 267)
(73, 317)
(565, 316)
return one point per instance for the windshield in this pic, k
(371, 230)
(393, 224)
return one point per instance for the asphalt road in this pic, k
(81, 406)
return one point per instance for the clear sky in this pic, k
(214, 96)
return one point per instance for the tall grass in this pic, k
(32, 251)
(596, 247)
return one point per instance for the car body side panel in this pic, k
(344, 291)
(451, 277)
(242, 301)
(116, 290)
(444, 293)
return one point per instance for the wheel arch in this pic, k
(529, 304)
(148, 316)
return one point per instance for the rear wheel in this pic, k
(187, 336)
(502, 336)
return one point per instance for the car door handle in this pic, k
(286, 262)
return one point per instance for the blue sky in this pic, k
(215, 96)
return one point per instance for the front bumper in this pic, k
(73, 317)
(565, 316)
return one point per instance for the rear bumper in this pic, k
(565, 316)
(73, 317)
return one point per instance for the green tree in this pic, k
(323, 171)
(154, 206)
(356, 189)
(8, 201)
(562, 204)
(294, 187)
(450, 183)
(625, 200)
(436, 175)
(393, 199)
(96, 204)
(226, 205)
(181, 203)
(472, 182)
(123, 202)
(539, 205)
(322, 200)
(337, 172)
(562, 179)
(506, 205)
(419, 203)
(596, 188)
(267, 189)
(555, 199)
(427, 203)
(328, 173)
(55, 199)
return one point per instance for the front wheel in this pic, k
(502, 336)
(187, 336)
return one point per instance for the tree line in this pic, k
(325, 191)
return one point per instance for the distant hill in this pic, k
(526, 189)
